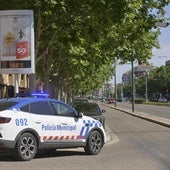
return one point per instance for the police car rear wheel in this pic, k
(94, 143)
(26, 147)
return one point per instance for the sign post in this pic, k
(17, 43)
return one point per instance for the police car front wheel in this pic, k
(26, 147)
(94, 143)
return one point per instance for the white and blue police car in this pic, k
(28, 125)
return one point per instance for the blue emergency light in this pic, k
(40, 95)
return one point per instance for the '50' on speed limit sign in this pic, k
(22, 49)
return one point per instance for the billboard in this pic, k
(17, 42)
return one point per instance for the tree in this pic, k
(77, 41)
(158, 83)
(159, 80)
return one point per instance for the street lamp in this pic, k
(133, 88)
(115, 84)
(162, 24)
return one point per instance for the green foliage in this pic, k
(77, 41)
(158, 82)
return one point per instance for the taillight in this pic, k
(5, 119)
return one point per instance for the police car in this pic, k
(28, 125)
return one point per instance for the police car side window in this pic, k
(25, 108)
(41, 108)
(63, 110)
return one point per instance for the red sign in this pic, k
(22, 50)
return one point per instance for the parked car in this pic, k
(111, 101)
(91, 109)
(163, 100)
(28, 125)
(80, 100)
(102, 99)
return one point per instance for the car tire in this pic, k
(94, 143)
(26, 147)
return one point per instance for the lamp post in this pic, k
(162, 24)
(115, 84)
(146, 85)
(133, 88)
(122, 94)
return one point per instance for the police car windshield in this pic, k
(4, 105)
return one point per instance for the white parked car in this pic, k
(28, 125)
(163, 100)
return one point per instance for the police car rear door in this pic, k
(44, 121)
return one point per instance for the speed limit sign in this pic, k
(22, 49)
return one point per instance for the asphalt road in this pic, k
(141, 145)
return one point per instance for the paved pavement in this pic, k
(111, 137)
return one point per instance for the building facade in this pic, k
(7, 82)
(138, 71)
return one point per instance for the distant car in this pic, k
(111, 101)
(80, 100)
(102, 99)
(163, 100)
(28, 125)
(91, 109)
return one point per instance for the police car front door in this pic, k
(70, 130)
(69, 125)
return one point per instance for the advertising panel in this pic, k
(17, 42)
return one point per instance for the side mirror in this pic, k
(80, 114)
